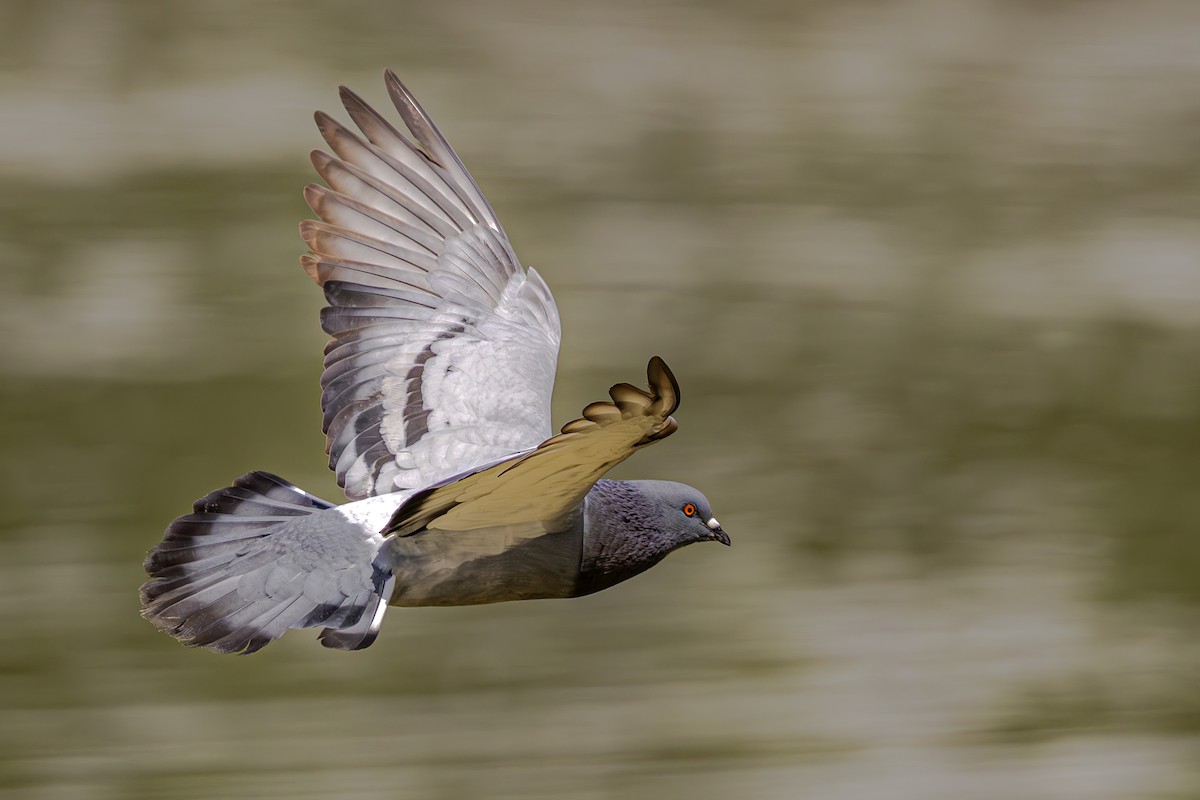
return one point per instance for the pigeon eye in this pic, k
(689, 510)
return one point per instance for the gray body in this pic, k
(488, 565)
(607, 540)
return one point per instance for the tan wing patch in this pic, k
(548, 483)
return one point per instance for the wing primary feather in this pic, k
(435, 144)
(495, 281)
(334, 207)
(351, 359)
(371, 123)
(345, 177)
(353, 149)
(324, 270)
(325, 239)
(384, 136)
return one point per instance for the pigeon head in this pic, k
(685, 515)
(629, 526)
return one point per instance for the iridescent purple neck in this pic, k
(623, 535)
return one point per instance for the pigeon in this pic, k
(436, 407)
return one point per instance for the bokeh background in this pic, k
(928, 271)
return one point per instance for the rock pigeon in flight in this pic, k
(436, 401)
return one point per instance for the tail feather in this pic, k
(257, 558)
(251, 626)
(361, 633)
(258, 632)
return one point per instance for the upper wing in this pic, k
(548, 483)
(444, 347)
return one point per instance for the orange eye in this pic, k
(689, 510)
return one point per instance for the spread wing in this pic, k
(548, 483)
(444, 346)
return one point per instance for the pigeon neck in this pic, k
(622, 536)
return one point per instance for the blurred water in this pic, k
(929, 273)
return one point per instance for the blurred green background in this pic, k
(928, 272)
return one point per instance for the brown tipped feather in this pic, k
(631, 400)
(370, 122)
(663, 382)
(601, 411)
(353, 181)
(338, 209)
(419, 185)
(438, 150)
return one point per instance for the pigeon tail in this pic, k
(257, 558)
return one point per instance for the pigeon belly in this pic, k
(485, 565)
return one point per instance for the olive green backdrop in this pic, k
(928, 273)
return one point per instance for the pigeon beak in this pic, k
(716, 533)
